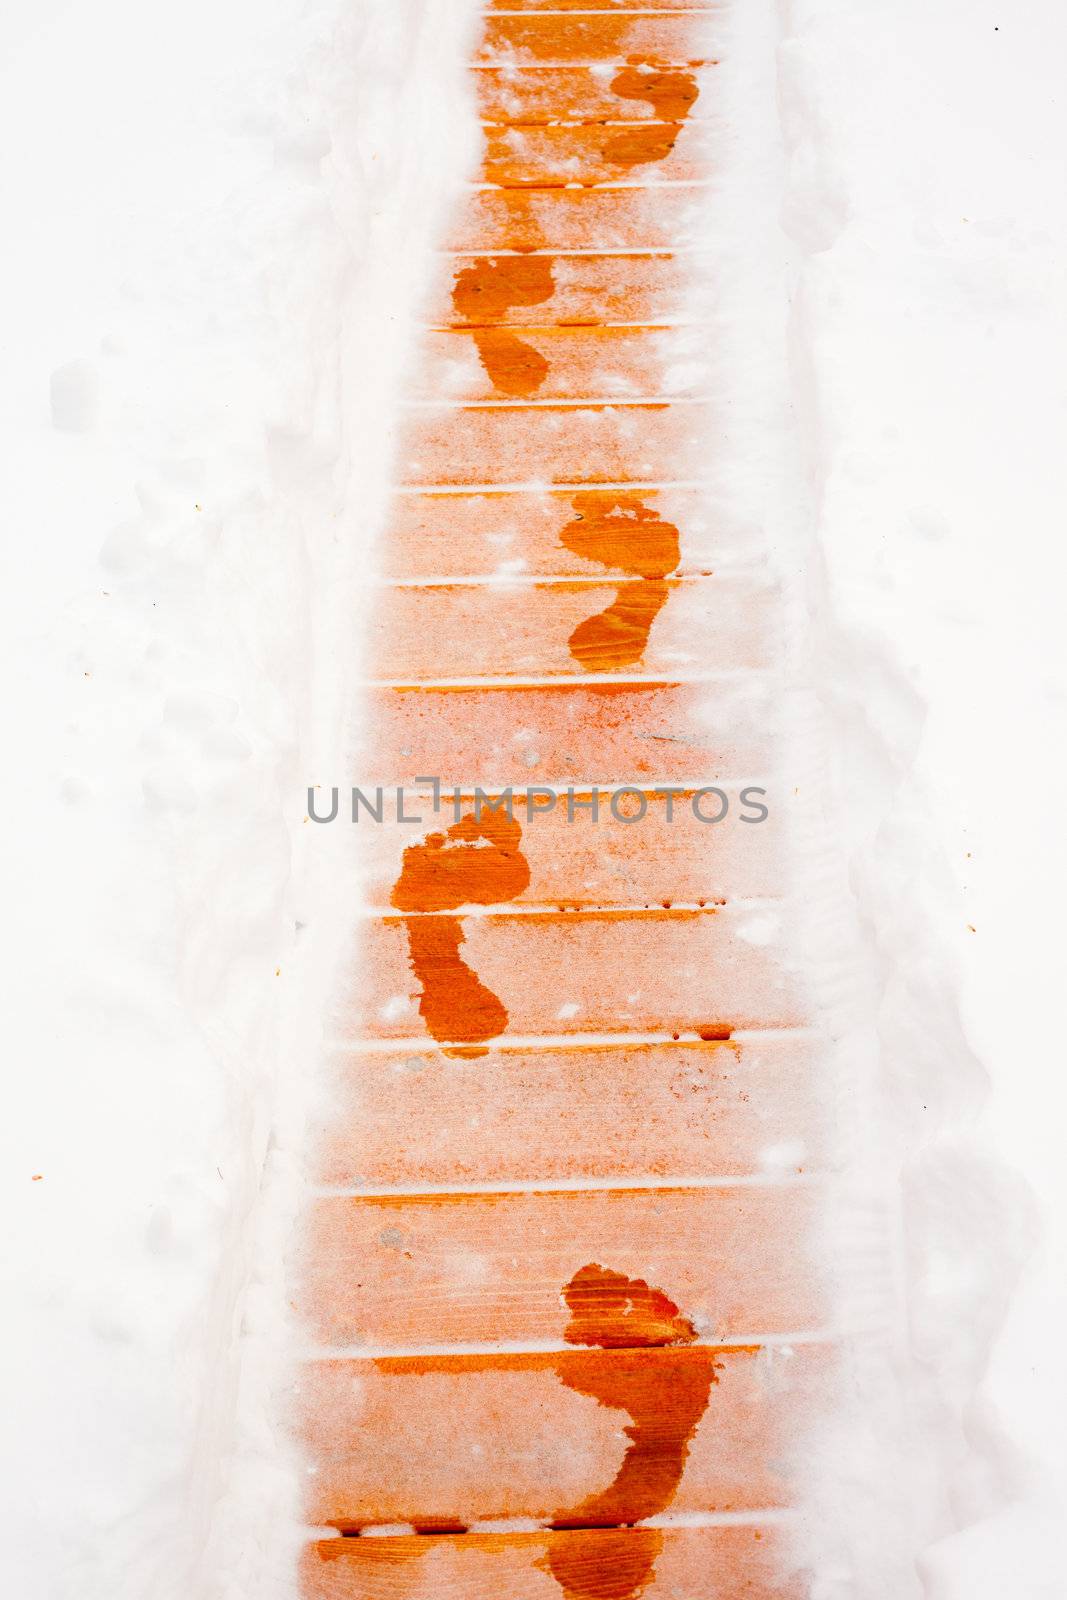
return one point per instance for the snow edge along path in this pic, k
(392, 177)
(929, 1231)
(219, 232)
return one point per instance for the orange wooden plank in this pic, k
(495, 533)
(568, 734)
(710, 624)
(461, 1439)
(667, 857)
(650, 218)
(555, 444)
(525, 41)
(564, 363)
(574, 972)
(630, 1111)
(587, 153)
(411, 1271)
(559, 94)
(559, 290)
(711, 1563)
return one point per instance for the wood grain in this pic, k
(467, 1438)
(590, 972)
(577, 734)
(493, 533)
(716, 1563)
(554, 444)
(705, 1109)
(424, 634)
(580, 863)
(408, 1271)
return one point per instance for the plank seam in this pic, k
(414, 1044)
(641, 1185)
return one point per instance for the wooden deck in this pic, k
(564, 1334)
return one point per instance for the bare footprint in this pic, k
(619, 531)
(477, 862)
(665, 1400)
(487, 289)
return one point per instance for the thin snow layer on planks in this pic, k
(570, 1171)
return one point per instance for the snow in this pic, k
(217, 222)
(927, 202)
(218, 219)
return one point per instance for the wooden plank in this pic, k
(626, 38)
(748, 1562)
(466, 980)
(657, 626)
(558, 289)
(630, 1111)
(564, 363)
(410, 1271)
(588, 153)
(555, 444)
(601, 5)
(466, 1438)
(668, 856)
(686, 1167)
(565, 734)
(560, 94)
(495, 533)
(580, 219)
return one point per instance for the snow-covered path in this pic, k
(224, 232)
(571, 624)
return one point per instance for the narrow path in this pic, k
(562, 1328)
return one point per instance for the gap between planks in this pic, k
(416, 1044)
(603, 122)
(640, 252)
(539, 486)
(502, 910)
(604, 11)
(681, 791)
(763, 1516)
(604, 65)
(474, 1349)
(574, 187)
(621, 1185)
(572, 680)
(554, 327)
(548, 580)
(656, 402)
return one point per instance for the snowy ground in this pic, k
(205, 210)
(929, 200)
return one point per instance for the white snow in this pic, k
(928, 213)
(217, 220)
